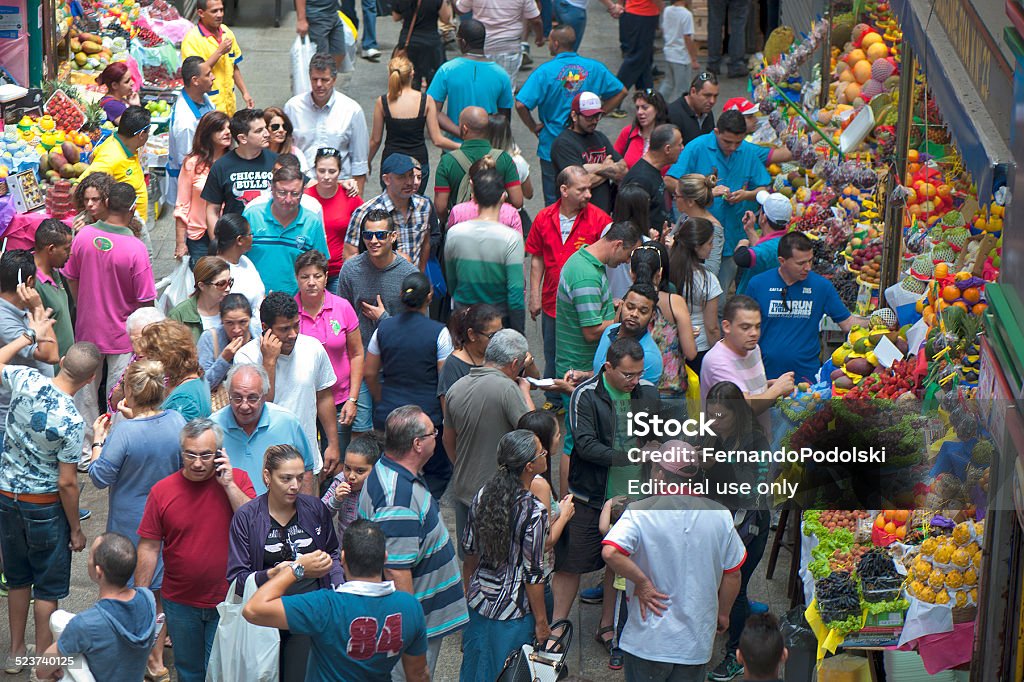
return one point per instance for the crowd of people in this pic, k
(348, 355)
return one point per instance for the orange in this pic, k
(902, 515)
(941, 270)
(979, 309)
(950, 293)
(880, 522)
(961, 305)
(913, 156)
(928, 190)
(972, 295)
(962, 276)
(851, 93)
(901, 532)
(890, 528)
(945, 191)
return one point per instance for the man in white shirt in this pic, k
(324, 117)
(301, 376)
(192, 104)
(680, 556)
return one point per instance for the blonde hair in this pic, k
(145, 378)
(399, 76)
(171, 343)
(207, 268)
(698, 188)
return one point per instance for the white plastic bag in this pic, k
(303, 50)
(79, 670)
(176, 286)
(242, 652)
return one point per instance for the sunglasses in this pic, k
(224, 283)
(327, 151)
(379, 235)
(784, 294)
(276, 126)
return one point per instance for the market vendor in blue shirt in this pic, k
(550, 90)
(282, 229)
(741, 175)
(793, 301)
(637, 310)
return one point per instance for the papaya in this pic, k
(843, 383)
(90, 47)
(75, 45)
(68, 171)
(81, 58)
(44, 163)
(83, 36)
(80, 168)
(836, 373)
(71, 152)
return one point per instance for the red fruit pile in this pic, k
(148, 38)
(885, 383)
(64, 111)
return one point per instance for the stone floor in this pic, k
(266, 67)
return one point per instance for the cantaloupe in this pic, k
(852, 92)
(870, 38)
(847, 76)
(855, 56)
(877, 51)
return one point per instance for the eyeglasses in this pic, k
(144, 129)
(429, 434)
(488, 336)
(198, 456)
(284, 194)
(629, 376)
(379, 235)
(252, 399)
(223, 283)
(276, 126)
(542, 453)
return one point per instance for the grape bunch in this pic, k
(846, 286)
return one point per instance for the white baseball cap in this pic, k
(587, 103)
(777, 208)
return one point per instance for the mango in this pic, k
(89, 47)
(71, 152)
(57, 161)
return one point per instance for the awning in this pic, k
(985, 154)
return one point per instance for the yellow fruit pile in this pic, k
(946, 568)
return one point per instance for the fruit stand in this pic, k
(902, 183)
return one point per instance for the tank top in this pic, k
(405, 135)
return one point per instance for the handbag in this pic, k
(530, 663)
(218, 397)
(403, 51)
(241, 650)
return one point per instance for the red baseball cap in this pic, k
(587, 103)
(742, 105)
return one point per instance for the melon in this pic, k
(877, 51)
(882, 69)
(870, 38)
(862, 71)
(851, 93)
(871, 89)
(855, 56)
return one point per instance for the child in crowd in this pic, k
(761, 651)
(680, 50)
(610, 514)
(342, 495)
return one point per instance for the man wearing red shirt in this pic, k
(558, 231)
(190, 512)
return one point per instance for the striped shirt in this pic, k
(721, 363)
(483, 262)
(499, 592)
(584, 300)
(417, 541)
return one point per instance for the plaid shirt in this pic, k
(421, 219)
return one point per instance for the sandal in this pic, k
(161, 675)
(616, 659)
(552, 645)
(599, 637)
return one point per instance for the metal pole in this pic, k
(826, 59)
(892, 243)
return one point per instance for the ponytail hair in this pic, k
(685, 264)
(145, 378)
(416, 289)
(501, 495)
(399, 76)
(698, 188)
(229, 228)
(471, 317)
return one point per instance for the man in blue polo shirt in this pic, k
(741, 175)
(192, 104)
(638, 306)
(283, 229)
(251, 425)
(421, 558)
(550, 90)
(793, 300)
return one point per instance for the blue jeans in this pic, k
(737, 10)
(369, 24)
(545, 16)
(197, 248)
(364, 411)
(192, 630)
(486, 643)
(635, 33)
(34, 539)
(572, 16)
(547, 327)
(547, 175)
(741, 607)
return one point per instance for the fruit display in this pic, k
(804, 400)
(891, 525)
(839, 601)
(879, 579)
(945, 569)
(65, 112)
(58, 200)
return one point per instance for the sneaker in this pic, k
(592, 595)
(757, 607)
(618, 113)
(12, 668)
(616, 659)
(84, 514)
(3, 585)
(371, 54)
(727, 670)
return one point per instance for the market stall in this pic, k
(900, 176)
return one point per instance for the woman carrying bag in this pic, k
(271, 531)
(504, 565)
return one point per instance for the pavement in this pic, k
(266, 69)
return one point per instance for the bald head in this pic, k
(474, 124)
(562, 39)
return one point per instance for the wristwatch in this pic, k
(297, 570)
(29, 334)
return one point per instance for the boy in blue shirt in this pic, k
(357, 631)
(793, 300)
(760, 253)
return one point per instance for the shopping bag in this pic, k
(692, 393)
(176, 286)
(242, 651)
(78, 670)
(303, 50)
(436, 277)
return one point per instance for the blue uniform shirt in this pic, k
(743, 169)
(790, 323)
(275, 248)
(652, 354)
(552, 86)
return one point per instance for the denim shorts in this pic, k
(35, 542)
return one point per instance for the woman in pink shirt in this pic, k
(651, 111)
(212, 140)
(332, 321)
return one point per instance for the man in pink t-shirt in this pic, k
(111, 267)
(737, 358)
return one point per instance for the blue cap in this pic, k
(398, 164)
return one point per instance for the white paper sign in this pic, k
(887, 352)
